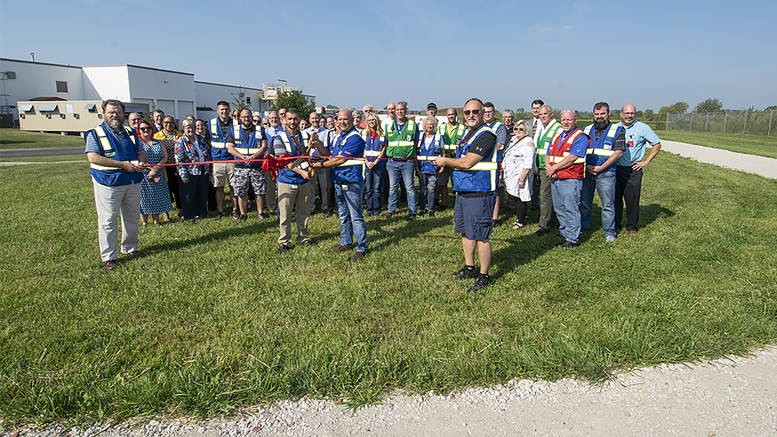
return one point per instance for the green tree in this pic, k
(239, 102)
(677, 108)
(649, 114)
(333, 107)
(295, 99)
(709, 105)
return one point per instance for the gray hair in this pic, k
(527, 125)
(432, 120)
(366, 107)
(507, 111)
(188, 122)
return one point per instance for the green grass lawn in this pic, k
(13, 138)
(749, 144)
(210, 317)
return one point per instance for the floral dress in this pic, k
(154, 196)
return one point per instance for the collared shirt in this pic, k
(636, 136)
(321, 132)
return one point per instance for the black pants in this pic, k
(628, 185)
(520, 207)
(172, 185)
(194, 196)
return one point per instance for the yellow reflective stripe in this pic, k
(351, 162)
(600, 152)
(101, 167)
(104, 143)
(542, 152)
(556, 159)
(427, 157)
(400, 143)
(613, 129)
(246, 151)
(371, 153)
(484, 166)
(218, 145)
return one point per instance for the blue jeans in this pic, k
(407, 170)
(349, 207)
(566, 202)
(372, 179)
(604, 184)
(428, 184)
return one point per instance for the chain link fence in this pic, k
(743, 122)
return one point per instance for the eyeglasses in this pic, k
(473, 112)
(145, 129)
(167, 122)
(520, 128)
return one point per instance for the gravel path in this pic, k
(731, 396)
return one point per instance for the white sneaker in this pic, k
(609, 239)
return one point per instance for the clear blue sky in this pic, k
(348, 53)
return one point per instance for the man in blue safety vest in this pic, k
(474, 180)
(248, 142)
(607, 146)
(223, 172)
(116, 157)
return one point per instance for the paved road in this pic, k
(766, 167)
(47, 151)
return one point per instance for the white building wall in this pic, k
(37, 79)
(109, 82)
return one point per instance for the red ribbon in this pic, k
(273, 165)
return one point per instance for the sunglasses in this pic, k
(473, 112)
(145, 129)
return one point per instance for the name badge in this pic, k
(293, 187)
(344, 187)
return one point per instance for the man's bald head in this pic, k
(628, 114)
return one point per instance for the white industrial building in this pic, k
(61, 98)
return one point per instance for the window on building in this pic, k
(61, 86)
(248, 100)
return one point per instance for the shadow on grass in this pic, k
(252, 229)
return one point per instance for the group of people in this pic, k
(554, 164)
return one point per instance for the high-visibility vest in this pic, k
(110, 147)
(373, 146)
(482, 177)
(287, 176)
(559, 149)
(352, 170)
(452, 137)
(427, 154)
(601, 149)
(401, 143)
(218, 139)
(550, 132)
(248, 146)
(495, 128)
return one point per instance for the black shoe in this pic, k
(466, 272)
(421, 213)
(541, 232)
(482, 282)
(442, 207)
(242, 218)
(235, 214)
(307, 243)
(330, 214)
(568, 244)
(219, 216)
(284, 248)
(431, 214)
(494, 223)
(388, 215)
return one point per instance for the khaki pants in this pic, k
(110, 202)
(288, 197)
